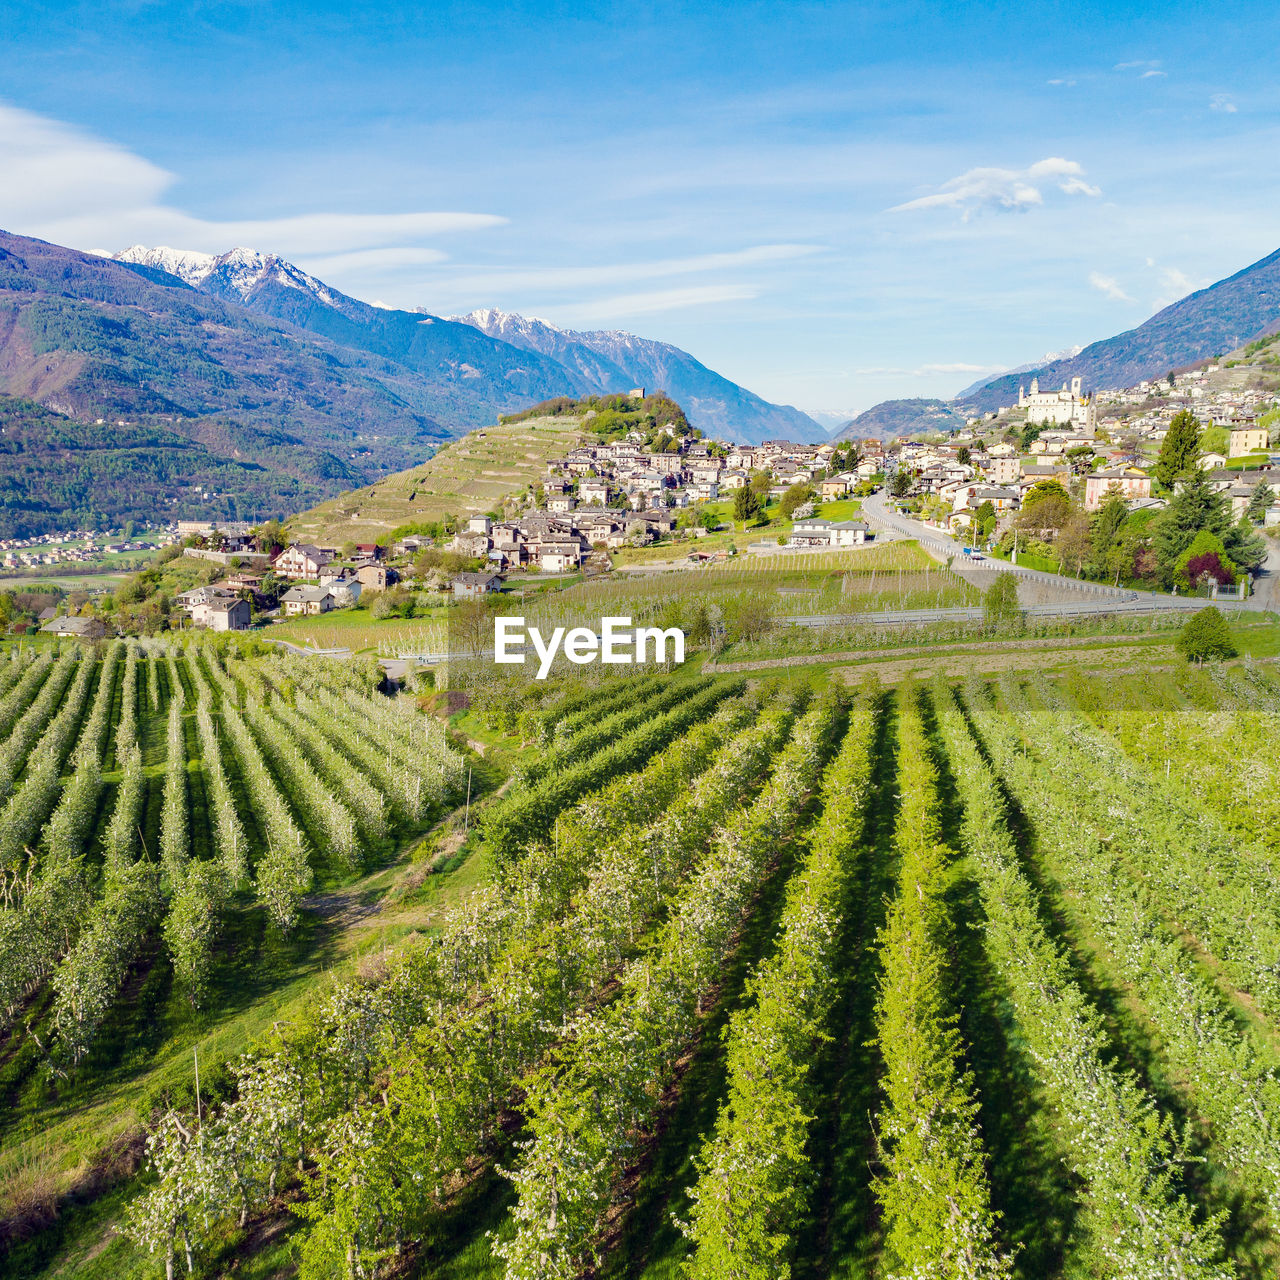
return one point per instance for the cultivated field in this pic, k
(167, 817)
(467, 476)
(897, 575)
(951, 979)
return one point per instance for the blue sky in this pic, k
(830, 203)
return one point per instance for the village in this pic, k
(602, 499)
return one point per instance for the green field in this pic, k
(860, 967)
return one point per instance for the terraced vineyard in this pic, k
(764, 980)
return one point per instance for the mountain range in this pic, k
(616, 361)
(578, 363)
(244, 386)
(1209, 322)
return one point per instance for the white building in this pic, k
(1065, 407)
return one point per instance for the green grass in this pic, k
(840, 509)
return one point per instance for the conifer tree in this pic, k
(1180, 448)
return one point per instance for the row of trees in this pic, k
(1230, 1087)
(1190, 542)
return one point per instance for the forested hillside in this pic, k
(60, 472)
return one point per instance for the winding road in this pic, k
(1093, 597)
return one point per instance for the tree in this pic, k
(1180, 449)
(1081, 459)
(1193, 508)
(1043, 491)
(797, 495)
(963, 456)
(1107, 526)
(1074, 544)
(900, 485)
(1204, 636)
(761, 483)
(1206, 557)
(271, 537)
(1000, 603)
(747, 506)
(1259, 503)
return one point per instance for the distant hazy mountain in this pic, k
(901, 418)
(1205, 323)
(618, 361)
(1065, 354)
(831, 420)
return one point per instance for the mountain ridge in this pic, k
(1220, 317)
(622, 360)
(556, 361)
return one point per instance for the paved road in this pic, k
(1266, 592)
(1094, 597)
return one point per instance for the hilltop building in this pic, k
(1067, 407)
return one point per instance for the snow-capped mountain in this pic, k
(618, 361)
(1067, 353)
(187, 264)
(237, 275)
(493, 360)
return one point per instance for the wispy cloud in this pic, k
(660, 300)
(1222, 102)
(1060, 80)
(66, 185)
(1009, 190)
(1138, 64)
(1152, 74)
(394, 258)
(557, 279)
(1109, 286)
(1174, 284)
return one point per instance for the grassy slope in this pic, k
(466, 476)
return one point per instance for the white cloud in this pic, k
(392, 259)
(1109, 286)
(1174, 284)
(1148, 75)
(659, 300)
(551, 279)
(1145, 63)
(1222, 102)
(65, 185)
(1013, 190)
(926, 369)
(1060, 80)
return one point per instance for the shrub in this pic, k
(1204, 636)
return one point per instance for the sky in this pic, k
(832, 204)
